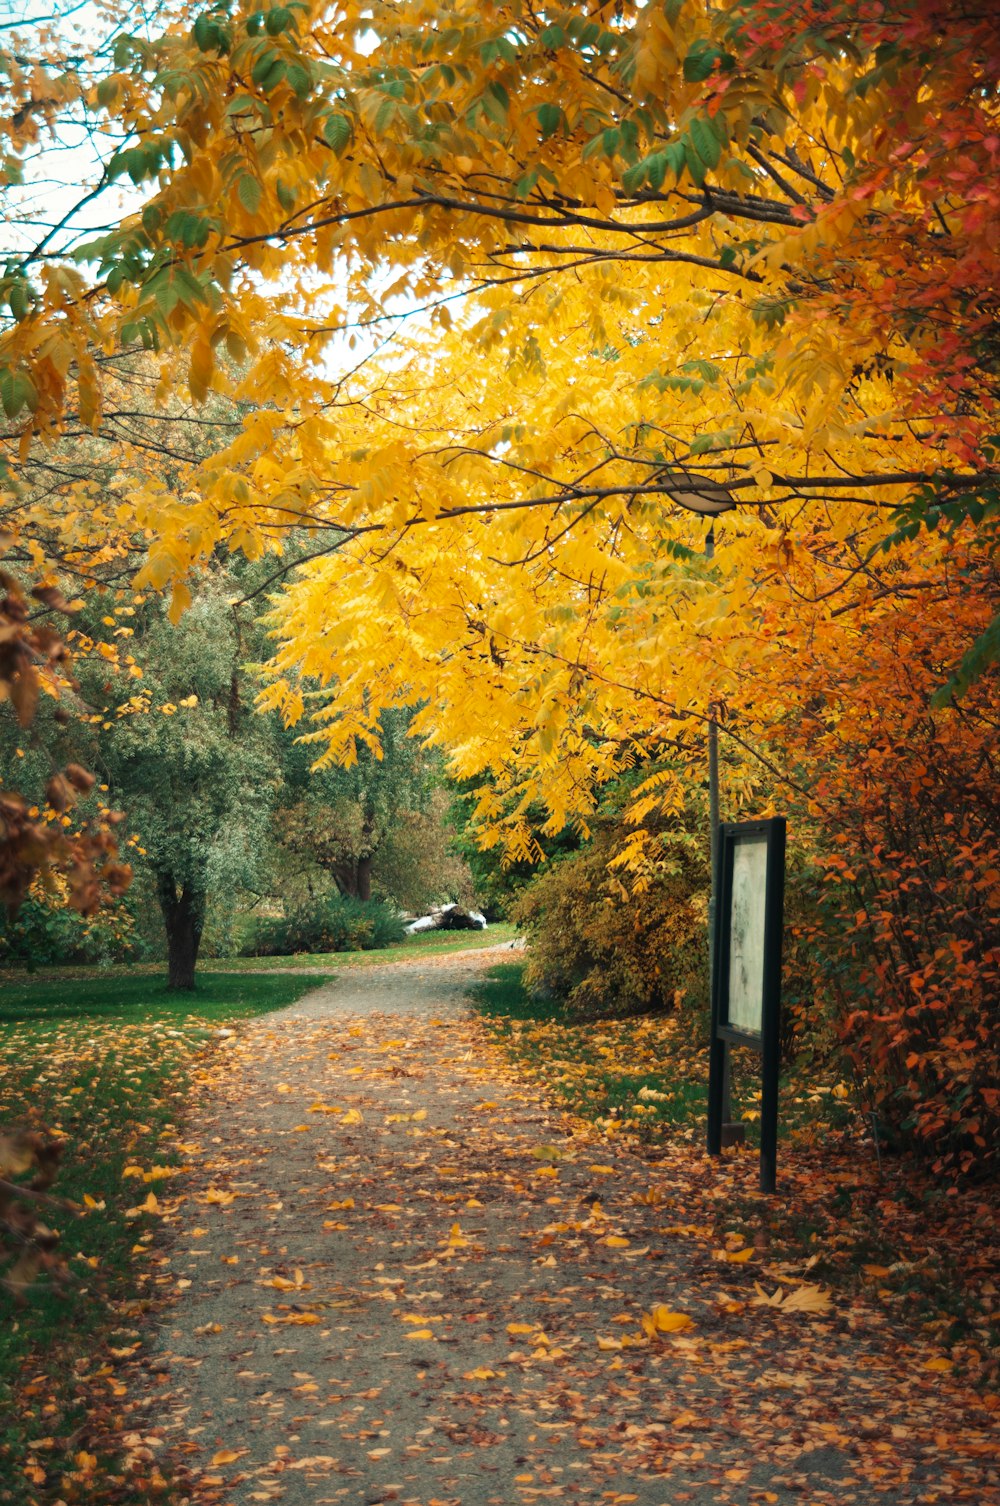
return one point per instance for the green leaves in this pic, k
(495, 102)
(141, 162)
(19, 296)
(703, 60)
(17, 391)
(268, 71)
(705, 140)
(211, 36)
(983, 654)
(337, 132)
(249, 192)
(550, 118)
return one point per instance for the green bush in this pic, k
(327, 923)
(605, 952)
(46, 932)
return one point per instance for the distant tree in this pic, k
(182, 752)
(337, 819)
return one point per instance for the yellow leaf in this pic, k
(662, 1320)
(229, 1455)
(546, 1152)
(216, 1195)
(940, 1363)
(804, 1299)
(420, 1333)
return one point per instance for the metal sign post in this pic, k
(746, 976)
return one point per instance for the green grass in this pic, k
(430, 943)
(427, 943)
(103, 1061)
(643, 1074)
(130, 999)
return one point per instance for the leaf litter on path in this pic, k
(509, 1306)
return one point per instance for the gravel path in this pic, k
(397, 1275)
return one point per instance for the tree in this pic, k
(42, 838)
(181, 750)
(340, 817)
(666, 236)
(638, 266)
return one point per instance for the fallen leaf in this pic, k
(804, 1299)
(662, 1320)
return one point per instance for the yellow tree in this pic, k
(629, 239)
(515, 298)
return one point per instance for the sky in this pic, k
(53, 206)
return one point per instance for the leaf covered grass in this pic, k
(104, 1063)
(647, 1074)
(885, 1227)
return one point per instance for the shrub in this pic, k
(326, 923)
(46, 932)
(606, 952)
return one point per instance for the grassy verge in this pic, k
(890, 1230)
(646, 1074)
(428, 943)
(105, 1063)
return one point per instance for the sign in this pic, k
(746, 981)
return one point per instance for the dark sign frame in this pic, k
(767, 1042)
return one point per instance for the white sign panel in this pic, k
(746, 936)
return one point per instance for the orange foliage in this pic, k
(920, 267)
(905, 817)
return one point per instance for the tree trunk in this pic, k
(183, 917)
(363, 878)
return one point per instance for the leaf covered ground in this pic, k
(107, 1065)
(862, 1217)
(397, 1270)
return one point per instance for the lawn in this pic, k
(104, 1062)
(428, 943)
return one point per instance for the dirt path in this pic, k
(400, 1277)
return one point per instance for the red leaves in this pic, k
(32, 841)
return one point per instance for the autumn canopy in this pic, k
(513, 305)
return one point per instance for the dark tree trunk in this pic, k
(345, 876)
(183, 910)
(363, 878)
